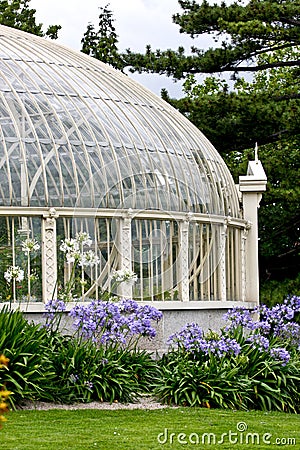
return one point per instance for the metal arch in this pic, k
(119, 105)
(92, 131)
(5, 159)
(132, 106)
(32, 129)
(20, 145)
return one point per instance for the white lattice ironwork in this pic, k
(124, 250)
(49, 257)
(222, 260)
(183, 264)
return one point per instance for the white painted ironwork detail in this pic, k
(222, 259)
(124, 247)
(49, 256)
(183, 264)
(244, 236)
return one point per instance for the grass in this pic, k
(139, 429)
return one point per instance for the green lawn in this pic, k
(140, 429)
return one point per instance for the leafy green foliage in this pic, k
(85, 372)
(274, 386)
(246, 30)
(102, 44)
(274, 291)
(233, 118)
(18, 14)
(47, 365)
(279, 214)
(25, 345)
(250, 380)
(190, 381)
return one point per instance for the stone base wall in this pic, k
(208, 315)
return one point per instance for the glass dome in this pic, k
(83, 148)
(77, 133)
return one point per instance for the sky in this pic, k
(137, 22)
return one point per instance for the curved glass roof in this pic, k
(75, 132)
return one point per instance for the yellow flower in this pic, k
(4, 394)
(3, 407)
(3, 361)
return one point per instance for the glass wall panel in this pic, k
(204, 258)
(155, 259)
(233, 263)
(20, 259)
(88, 281)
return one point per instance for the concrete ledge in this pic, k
(38, 307)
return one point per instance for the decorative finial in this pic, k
(256, 152)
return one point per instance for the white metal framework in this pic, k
(85, 148)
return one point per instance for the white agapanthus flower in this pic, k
(73, 249)
(14, 272)
(88, 259)
(30, 245)
(125, 276)
(83, 239)
(69, 246)
(71, 257)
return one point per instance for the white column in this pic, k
(125, 245)
(222, 260)
(251, 186)
(244, 235)
(183, 260)
(49, 256)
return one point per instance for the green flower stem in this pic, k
(70, 283)
(28, 277)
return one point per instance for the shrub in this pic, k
(86, 372)
(250, 364)
(25, 345)
(274, 291)
(101, 359)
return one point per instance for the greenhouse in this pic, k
(85, 149)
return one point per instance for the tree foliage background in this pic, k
(260, 37)
(18, 14)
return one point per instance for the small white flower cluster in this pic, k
(69, 246)
(125, 276)
(14, 273)
(73, 248)
(88, 259)
(30, 245)
(83, 238)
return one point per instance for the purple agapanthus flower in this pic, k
(280, 354)
(260, 342)
(192, 339)
(278, 321)
(238, 316)
(53, 308)
(108, 321)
